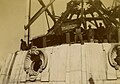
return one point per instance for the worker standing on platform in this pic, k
(78, 34)
(109, 33)
(23, 45)
(101, 32)
(90, 33)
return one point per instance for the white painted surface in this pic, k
(17, 66)
(111, 72)
(75, 57)
(84, 68)
(57, 83)
(45, 75)
(22, 77)
(6, 69)
(75, 77)
(58, 64)
(69, 64)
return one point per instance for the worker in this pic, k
(78, 34)
(101, 32)
(90, 33)
(23, 45)
(91, 80)
(109, 33)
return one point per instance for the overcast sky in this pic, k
(13, 19)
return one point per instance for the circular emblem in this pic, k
(114, 56)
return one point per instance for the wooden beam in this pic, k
(94, 20)
(43, 5)
(38, 14)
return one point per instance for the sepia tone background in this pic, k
(13, 17)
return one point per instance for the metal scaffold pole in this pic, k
(29, 14)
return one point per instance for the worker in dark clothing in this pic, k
(78, 34)
(90, 33)
(91, 80)
(23, 46)
(109, 33)
(101, 32)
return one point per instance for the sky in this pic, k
(13, 17)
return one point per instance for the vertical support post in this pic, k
(82, 10)
(29, 14)
(67, 37)
(28, 36)
(47, 20)
(85, 22)
(52, 9)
